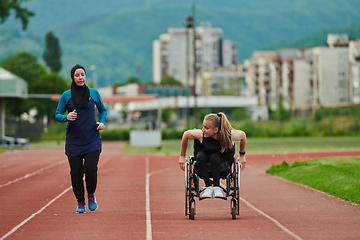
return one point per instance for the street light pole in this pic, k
(93, 69)
(188, 25)
(194, 66)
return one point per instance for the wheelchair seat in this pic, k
(225, 169)
(225, 165)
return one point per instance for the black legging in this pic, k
(215, 160)
(84, 164)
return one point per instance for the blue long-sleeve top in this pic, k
(82, 135)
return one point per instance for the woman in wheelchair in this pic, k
(214, 144)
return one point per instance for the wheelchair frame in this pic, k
(192, 189)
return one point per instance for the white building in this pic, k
(173, 53)
(354, 70)
(222, 81)
(300, 79)
(258, 76)
(302, 99)
(330, 76)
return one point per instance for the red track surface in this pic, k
(37, 203)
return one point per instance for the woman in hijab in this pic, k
(83, 141)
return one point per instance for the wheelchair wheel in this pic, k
(187, 188)
(238, 177)
(190, 190)
(192, 214)
(233, 213)
(235, 191)
(192, 209)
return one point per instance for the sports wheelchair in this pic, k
(229, 171)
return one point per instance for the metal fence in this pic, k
(17, 128)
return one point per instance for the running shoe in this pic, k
(92, 204)
(208, 192)
(80, 207)
(218, 192)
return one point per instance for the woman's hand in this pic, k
(72, 116)
(241, 159)
(101, 126)
(182, 161)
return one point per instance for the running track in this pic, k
(142, 197)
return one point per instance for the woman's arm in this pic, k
(61, 109)
(238, 135)
(101, 108)
(189, 134)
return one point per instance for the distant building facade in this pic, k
(222, 81)
(270, 76)
(173, 53)
(306, 78)
(354, 70)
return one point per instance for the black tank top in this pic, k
(210, 145)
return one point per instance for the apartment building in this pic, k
(303, 78)
(302, 98)
(173, 53)
(222, 81)
(258, 77)
(270, 76)
(330, 76)
(354, 70)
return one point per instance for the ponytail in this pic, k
(224, 134)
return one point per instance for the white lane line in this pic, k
(147, 190)
(49, 203)
(43, 169)
(33, 215)
(104, 161)
(148, 214)
(33, 173)
(273, 220)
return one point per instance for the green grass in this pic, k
(40, 144)
(260, 145)
(47, 143)
(301, 144)
(253, 145)
(168, 147)
(337, 176)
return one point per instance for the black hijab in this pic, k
(79, 95)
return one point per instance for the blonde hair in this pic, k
(224, 133)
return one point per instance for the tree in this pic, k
(169, 80)
(281, 113)
(20, 12)
(133, 79)
(26, 66)
(52, 52)
(48, 83)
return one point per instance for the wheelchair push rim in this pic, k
(238, 188)
(187, 194)
(190, 204)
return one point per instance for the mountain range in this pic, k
(117, 36)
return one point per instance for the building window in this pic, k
(342, 93)
(342, 84)
(342, 55)
(342, 65)
(342, 74)
(343, 100)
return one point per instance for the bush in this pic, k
(252, 129)
(115, 135)
(240, 114)
(171, 134)
(56, 131)
(296, 128)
